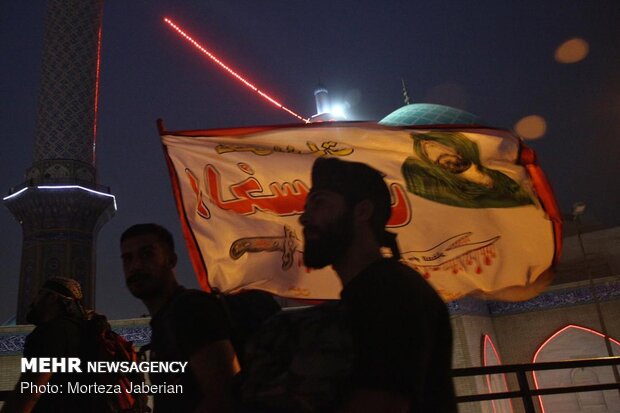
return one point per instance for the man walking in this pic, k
(187, 325)
(386, 346)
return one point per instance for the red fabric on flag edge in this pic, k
(198, 263)
(527, 158)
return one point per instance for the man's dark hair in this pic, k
(163, 235)
(355, 181)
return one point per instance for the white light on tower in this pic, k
(338, 111)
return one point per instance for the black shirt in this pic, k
(389, 331)
(401, 334)
(191, 319)
(60, 337)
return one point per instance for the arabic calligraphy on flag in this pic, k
(472, 210)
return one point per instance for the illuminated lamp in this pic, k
(338, 111)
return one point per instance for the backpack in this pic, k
(246, 312)
(100, 343)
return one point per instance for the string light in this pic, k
(236, 75)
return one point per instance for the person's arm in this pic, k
(205, 338)
(24, 401)
(214, 365)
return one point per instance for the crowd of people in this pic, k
(385, 346)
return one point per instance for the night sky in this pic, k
(495, 59)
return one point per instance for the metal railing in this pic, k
(525, 392)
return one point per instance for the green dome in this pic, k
(429, 114)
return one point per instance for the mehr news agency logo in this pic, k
(74, 365)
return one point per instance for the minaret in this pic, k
(322, 100)
(61, 207)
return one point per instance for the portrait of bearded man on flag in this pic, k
(448, 170)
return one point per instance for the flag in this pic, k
(473, 211)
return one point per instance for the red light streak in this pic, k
(232, 72)
(96, 110)
(487, 342)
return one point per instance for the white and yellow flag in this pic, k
(472, 210)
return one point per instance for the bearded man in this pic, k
(385, 346)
